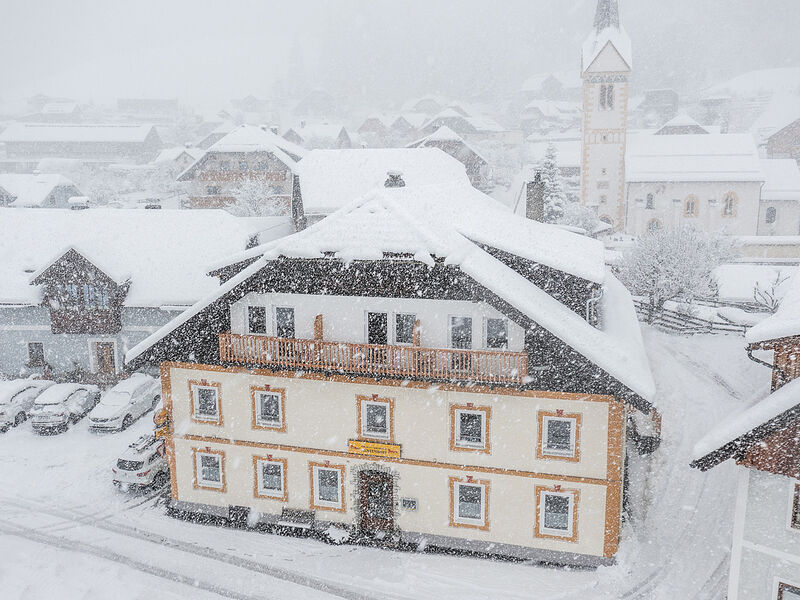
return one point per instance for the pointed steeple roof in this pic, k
(606, 15)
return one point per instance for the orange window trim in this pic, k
(313, 489)
(257, 492)
(169, 440)
(537, 530)
(469, 480)
(487, 445)
(193, 383)
(540, 447)
(254, 391)
(198, 485)
(360, 400)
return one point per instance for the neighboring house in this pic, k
(57, 112)
(216, 134)
(80, 287)
(785, 143)
(419, 367)
(179, 157)
(408, 123)
(471, 127)
(562, 85)
(428, 105)
(319, 135)
(36, 190)
(764, 440)
(449, 142)
(682, 125)
(545, 116)
(779, 212)
(247, 154)
(330, 179)
(28, 143)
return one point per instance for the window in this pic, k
(603, 200)
(651, 202)
(209, 469)
(95, 296)
(795, 522)
(404, 328)
(788, 592)
(461, 332)
(205, 402)
(556, 512)
(497, 333)
(213, 190)
(284, 322)
(729, 205)
(268, 408)
(691, 206)
(469, 502)
(653, 225)
(771, 215)
(470, 427)
(606, 99)
(35, 354)
(375, 418)
(559, 435)
(270, 477)
(262, 165)
(225, 165)
(243, 166)
(328, 486)
(256, 319)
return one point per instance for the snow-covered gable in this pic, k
(42, 132)
(168, 155)
(781, 179)
(330, 179)
(32, 190)
(701, 157)
(680, 124)
(164, 253)
(607, 50)
(786, 320)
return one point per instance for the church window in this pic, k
(653, 225)
(771, 216)
(606, 96)
(691, 206)
(729, 205)
(651, 202)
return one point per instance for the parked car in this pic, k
(62, 404)
(143, 464)
(16, 400)
(120, 406)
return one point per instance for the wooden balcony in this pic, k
(410, 362)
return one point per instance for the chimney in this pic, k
(534, 198)
(394, 179)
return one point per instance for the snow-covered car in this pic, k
(16, 400)
(120, 406)
(62, 404)
(143, 464)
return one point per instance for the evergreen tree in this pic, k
(554, 197)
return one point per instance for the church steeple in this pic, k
(606, 15)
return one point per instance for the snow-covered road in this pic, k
(65, 532)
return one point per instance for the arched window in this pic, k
(651, 202)
(653, 225)
(729, 205)
(691, 206)
(771, 215)
(606, 219)
(606, 100)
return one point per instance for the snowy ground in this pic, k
(66, 533)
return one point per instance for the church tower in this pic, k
(605, 69)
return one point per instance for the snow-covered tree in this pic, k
(675, 264)
(576, 215)
(554, 197)
(256, 198)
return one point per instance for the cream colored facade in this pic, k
(605, 116)
(321, 418)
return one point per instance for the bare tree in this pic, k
(767, 296)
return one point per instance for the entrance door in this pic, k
(105, 357)
(375, 497)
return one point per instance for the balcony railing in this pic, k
(370, 359)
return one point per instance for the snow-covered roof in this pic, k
(457, 219)
(415, 119)
(310, 130)
(479, 123)
(739, 432)
(782, 110)
(443, 134)
(681, 121)
(598, 40)
(736, 281)
(330, 179)
(786, 320)
(758, 83)
(163, 252)
(45, 132)
(692, 157)
(555, 109)
(781, 179)
(171, 154)
(31, 189)
(59, 108)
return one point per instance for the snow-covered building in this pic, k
(421, 366)
(179, 157)
(80, 287)
(764, 440)
(36, 190)
(779, 213)
(785, 142)
(331, 179)
(449, 142)
(472, 128)
(247, 154)
(545, 116)
(560, 85)
(27, 144)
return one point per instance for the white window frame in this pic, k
(457, 503)
(566, 533)
(369, 434)
(486, 332)
(196, 403)
(199, 469)
(458, 442)
(262, 491)
(555, 451)
(259, 420)
(326, 503)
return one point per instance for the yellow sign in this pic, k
(373, 448)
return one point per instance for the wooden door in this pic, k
(376, 492)
(105, 357)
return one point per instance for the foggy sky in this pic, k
(377, 52)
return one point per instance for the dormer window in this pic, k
(85, 297)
